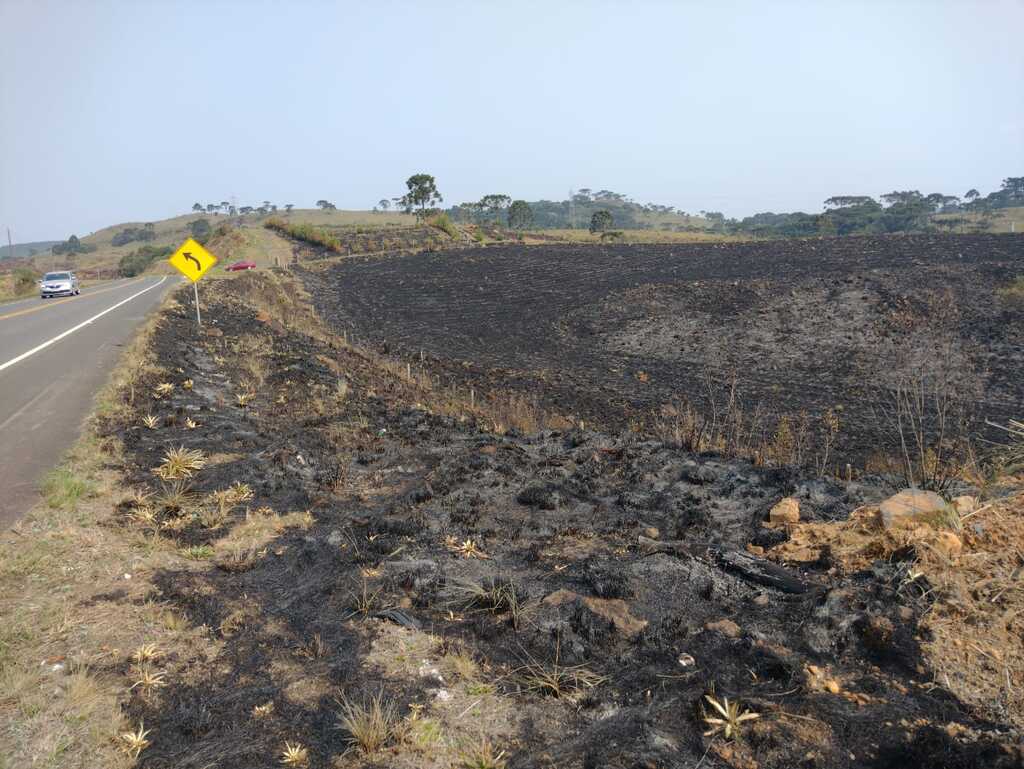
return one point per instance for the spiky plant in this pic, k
(294, 754)
(180, 464)
(187, 384)
(150, 421)
(148, 679)
(133, 743)
(726, 717)
(147, 653)
(190, 423)
(466, 548)
(163, 389)
(264, 710)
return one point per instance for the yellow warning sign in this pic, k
(192, 260)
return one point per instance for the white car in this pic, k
(59, 284)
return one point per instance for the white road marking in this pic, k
(26, 407)
(81, 325)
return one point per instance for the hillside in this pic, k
(21, 250)
(253, 242)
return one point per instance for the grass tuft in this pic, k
(63, 489)
(370, 725)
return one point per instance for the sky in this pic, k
(133, 111)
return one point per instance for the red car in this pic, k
(244, 265)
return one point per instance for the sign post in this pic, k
(193, 261)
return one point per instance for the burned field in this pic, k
(570, 598)
(620, 335)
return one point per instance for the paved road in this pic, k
(55, 354)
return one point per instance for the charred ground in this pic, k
(396, 543)
(613, 333)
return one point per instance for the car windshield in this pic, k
(57, 276)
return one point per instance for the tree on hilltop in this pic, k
(422, 194)
(197, 207)
(384, 204)
(326, 205)
(288, 207)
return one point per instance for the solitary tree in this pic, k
(197, 206)
(384, 204)
(520, 215)
(224, 205)
(288, 207)
(971, 195)
(422, 194)
(601, 221)
(325, 205)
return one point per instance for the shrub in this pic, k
(136, 262)
(200, 230)
(130, 234)
(1012, 296)
(304, 232)
(24, 280)
(443, 223)
(73, 246)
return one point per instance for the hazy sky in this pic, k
(125, 111)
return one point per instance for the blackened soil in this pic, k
(394, 491)
(614, 332)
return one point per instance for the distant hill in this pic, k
(26, 249)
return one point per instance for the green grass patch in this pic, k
(443, 223)
(304, 232)
(1013, 294)
(62, 489)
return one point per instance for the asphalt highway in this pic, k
(55, 354)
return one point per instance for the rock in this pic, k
(755, 549)
(335, 538)
(909, 508)
(948, 543)
(262, 316)
(726, 627)
(212, 331)
(832, 685)
(615, 610)
(761, 599)
(787, 510)
(651, 532)
(488, 449)
(965, 505)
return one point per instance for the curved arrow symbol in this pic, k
(191, 258)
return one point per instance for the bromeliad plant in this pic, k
(175, 474)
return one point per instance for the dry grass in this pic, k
(483, 755)
(370, 725)
(976, 624)
(554, 679)
(55, 712)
